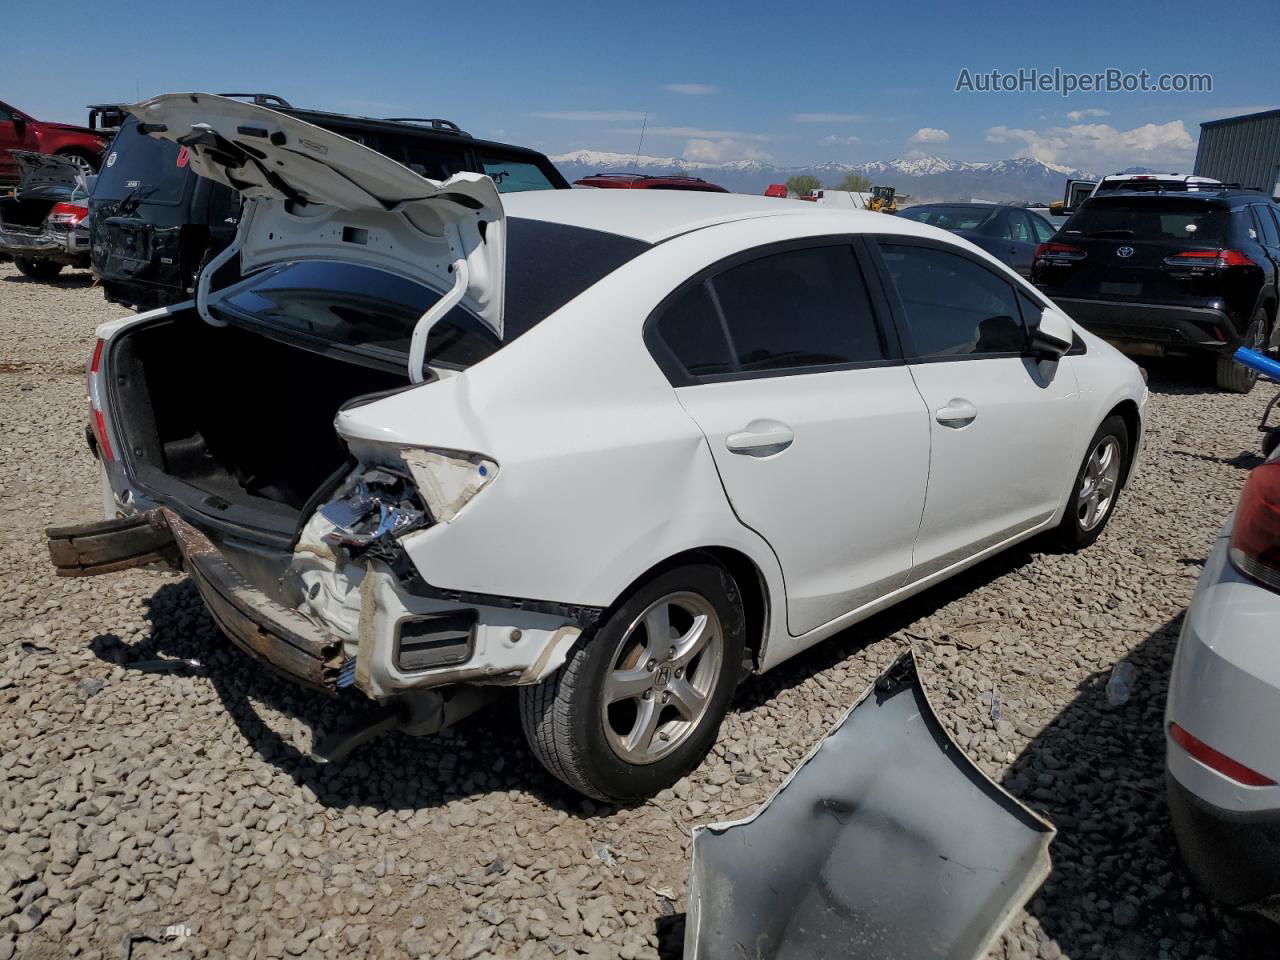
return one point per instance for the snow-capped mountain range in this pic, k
(924, 178)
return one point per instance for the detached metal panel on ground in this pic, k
(886, 842)
(1243, 150)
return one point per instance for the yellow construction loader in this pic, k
(883, 200)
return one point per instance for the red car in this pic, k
(18, 131)
(640, 181)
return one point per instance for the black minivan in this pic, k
(156, 223)
(1171, 273)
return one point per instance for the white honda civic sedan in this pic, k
(615, 448)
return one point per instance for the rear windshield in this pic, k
(949, 218)
(373, 313)
(151, 170)
(1160, 219)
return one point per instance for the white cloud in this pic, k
(929, 135)
(606, 116)
(1100, 146)
(720, 150)
(833, 140)
(1075, 116)
(697, 132)
(690, 89)
(827, 117)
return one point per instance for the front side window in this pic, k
(789, 311)
(1018, 229)
(1043, 229)
(954, 307)
(513, 175)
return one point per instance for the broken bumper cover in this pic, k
(886, 842)
(71, 247)
(273, 634)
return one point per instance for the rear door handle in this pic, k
(760, 438)
(957, 413)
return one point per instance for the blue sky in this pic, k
(719, 81)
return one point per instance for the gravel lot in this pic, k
(140, 793)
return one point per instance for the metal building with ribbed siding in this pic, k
(1243, 150)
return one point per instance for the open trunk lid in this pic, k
(314, 194)
(42, 176)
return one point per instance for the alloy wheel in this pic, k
(1099, 483)
(662, 677)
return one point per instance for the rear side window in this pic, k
(690, 326)
(795, 310)
(1158, 219)
(141, 166)
(954, 307)
(512, 175)
(1270, 235)
(949, 218)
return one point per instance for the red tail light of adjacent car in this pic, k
(1059, 252)
(67, 214)
(97, 421)
(1255, 535)
(1213, 259)
(1217, 760)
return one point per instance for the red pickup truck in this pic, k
(19, 131)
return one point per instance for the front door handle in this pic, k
(957, 413)
(760, 438)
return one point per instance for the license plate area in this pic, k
(1114, 289)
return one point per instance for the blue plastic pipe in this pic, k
(1256, 361)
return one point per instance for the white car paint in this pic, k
(1225, 685)
(606, 471)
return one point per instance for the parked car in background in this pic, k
(43, 219)
(1183, 273)
(1223, 758)
(641, 181)
(776, 190)
(1010, 234)
(155, 223)
(613, 388)
(20, 131)
(1077, 191)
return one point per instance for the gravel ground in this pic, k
(143, 795)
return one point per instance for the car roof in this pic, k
(658, 215)
(1232, 197)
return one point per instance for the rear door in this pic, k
(821, 440)
(1003, 427)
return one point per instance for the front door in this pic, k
(1003, 427)
(820, 438)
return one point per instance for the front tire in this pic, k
(1097, 486)
(1235, 377)
(639, 700)
(37, 269)
(88, 165)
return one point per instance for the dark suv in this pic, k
(155, 223)
(1171, 273)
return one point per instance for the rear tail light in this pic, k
(68, 214)
(1255, 535)
(1059, 252)
(1216, 760)
(97, 421)
(1212, 259)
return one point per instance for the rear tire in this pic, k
(37, 269)
(1097, 486)
(1233, 377)
(587, 723)
(88, 165)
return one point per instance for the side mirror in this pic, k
(1052, 338)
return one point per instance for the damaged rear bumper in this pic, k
(71, 247)
(328, 622)
(271, 633)
(886, 842)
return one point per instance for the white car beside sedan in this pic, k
(617, 449)
(1223, 754)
